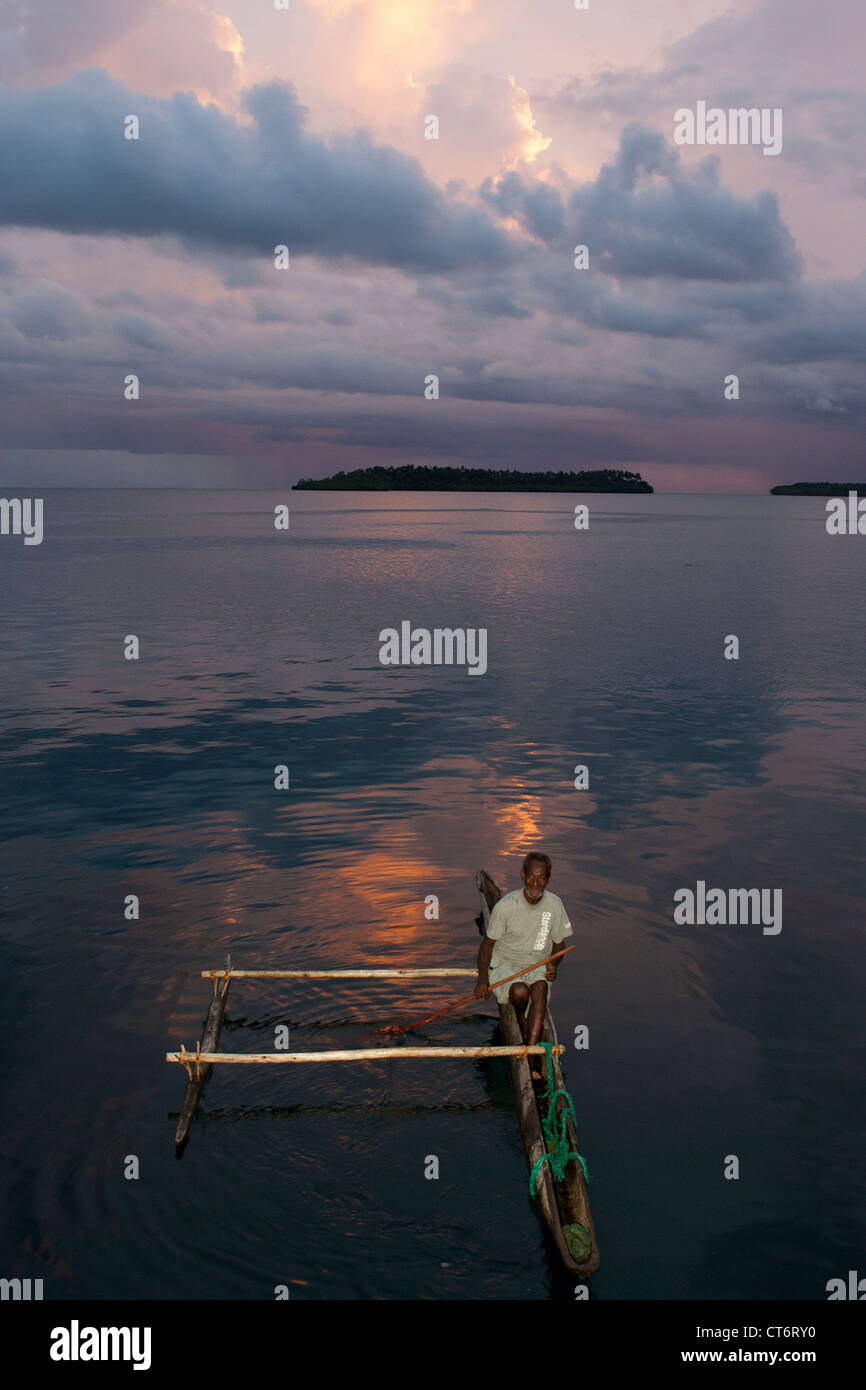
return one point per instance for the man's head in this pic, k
(536, 875)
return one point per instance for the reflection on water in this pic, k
(157, 778)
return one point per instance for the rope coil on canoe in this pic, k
(558, 1153)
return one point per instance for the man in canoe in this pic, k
(525, 926)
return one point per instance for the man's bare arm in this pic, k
(482, 984)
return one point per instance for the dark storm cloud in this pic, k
(486, 440)
(597, 303)
(140, 330)
(486, 299)
(498, 304)
(202, 176)
(339, 318)
(225, 428)
(831, 326)
(538, 206)
(646, 216)
(46, 310)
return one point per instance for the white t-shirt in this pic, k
(524, 932)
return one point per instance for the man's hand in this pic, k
(550, 972)
(482, 987)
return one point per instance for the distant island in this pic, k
(818, 489)
(413, 478)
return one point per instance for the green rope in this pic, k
(558, 1154)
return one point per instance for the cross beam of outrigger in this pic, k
(402, 974)
(199, 1063)
(358, 1054)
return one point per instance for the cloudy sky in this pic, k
(409, 256)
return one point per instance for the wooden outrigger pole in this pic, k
(404, 974)
(200, 1063)
(198, 1078)
(202, 1060)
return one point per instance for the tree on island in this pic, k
(444, 478)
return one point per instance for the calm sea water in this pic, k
(156, 778)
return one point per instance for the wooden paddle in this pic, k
(408, 1027)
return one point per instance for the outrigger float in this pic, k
(562, 1199)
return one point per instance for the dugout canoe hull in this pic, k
(561, 1203)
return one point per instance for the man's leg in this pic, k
(518, 995)
(535, 1023)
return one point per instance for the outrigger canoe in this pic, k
(564, 1203)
